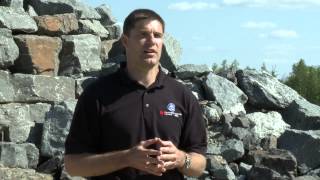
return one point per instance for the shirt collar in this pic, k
(126, 80)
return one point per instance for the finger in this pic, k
(155, 160)
(168, 157)
(148, 142)
(170, 165)
(152, 152)
(167, 150)
(166, 143)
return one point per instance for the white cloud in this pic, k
(258, 25)
(280, 34)
(186, 6)
(283, 33)
(293, 4)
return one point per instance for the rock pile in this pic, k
(50, 50)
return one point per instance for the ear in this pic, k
(124, 40)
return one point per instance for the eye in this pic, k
(158, 35)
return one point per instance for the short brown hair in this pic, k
(140, 14)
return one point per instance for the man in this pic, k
(137, 123)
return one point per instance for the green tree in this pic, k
(306, 81)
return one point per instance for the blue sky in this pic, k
(275, 32)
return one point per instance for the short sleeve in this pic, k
(194, 136)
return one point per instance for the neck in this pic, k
(143, 76)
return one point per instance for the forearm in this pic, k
(87, 165)
(198, 164)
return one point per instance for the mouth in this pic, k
(150, 51)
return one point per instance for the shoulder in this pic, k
(101, 85)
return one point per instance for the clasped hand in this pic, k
(156, 161)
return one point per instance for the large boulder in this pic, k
(80, 54)
(56, 128)
(14, 4)
(38, 55)
(264, 90)
(267, 124)
(304, 145)
(189, 71)
(303, 115)
(9, 51)
(6, 88)
(18, 155)
(40, 88)
(107, 18)
(226, 94)
(16, 117)
(51, 7)
(18, 173)
(58, 24)
(87, 26)
(11, 19)
(171, 53)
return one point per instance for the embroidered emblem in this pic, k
(171, 111)
(171, 107)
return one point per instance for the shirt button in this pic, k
(147, 105)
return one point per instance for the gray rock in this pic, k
(264, 173)
(17, 118)
(219, 168)
(189, 71)
(228, 95)
(195, 87)
(232, 150)
(264, 90)
(8, 49)
(115, 31)
(38, 112)
(51, 7)
(248, 138)
(106, 15)
(279, 160)
(39, 88)
(106, 46)
(11, 19)
(31, 11)
(80, 54)
(56, 128)
(212, 114)
(92, 27)
(307, 178)
(304, 145)
(244, 168)
(25, 174)
(13, 155)
(267, 124)
(171, 53)
(32, 155)
(241, 121)
(6, 88)
(303, 115)
(82, 83)
(14, 4)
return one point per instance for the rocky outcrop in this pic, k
(257, 127)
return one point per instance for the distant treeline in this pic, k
(304, 79)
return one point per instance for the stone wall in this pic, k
(258, 128)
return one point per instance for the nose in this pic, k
(151, 38)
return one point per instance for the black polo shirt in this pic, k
(116, 113)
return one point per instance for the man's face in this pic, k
(144, 43)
